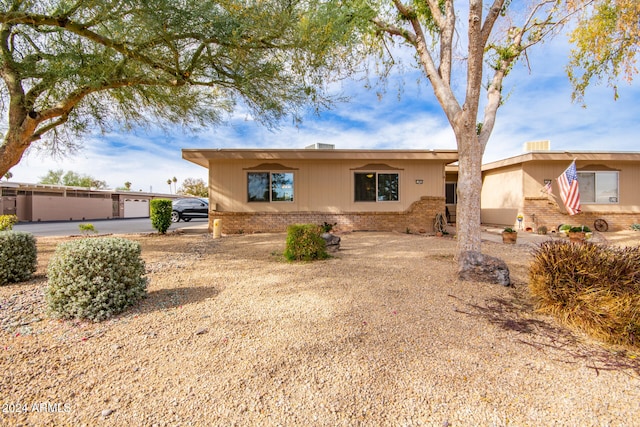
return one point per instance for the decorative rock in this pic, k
(202, 331)
(332, 242)
(107, 412)
(483, 268)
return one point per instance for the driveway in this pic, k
(106, 226)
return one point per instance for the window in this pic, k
(598, 187)
(372, 186)
(365, 187)
(258, 186)
(282, 187)
(270, 186)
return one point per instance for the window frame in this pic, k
(269, 186)
(376, 179)
(595, 187)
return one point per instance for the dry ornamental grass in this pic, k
(381, 334)
(590, 286)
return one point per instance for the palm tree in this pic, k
(175, 180)
(127, 186)
(8, 176)
(169, 182)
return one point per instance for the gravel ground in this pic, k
(381, 334)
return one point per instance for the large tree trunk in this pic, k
(16, 142)
(472, 264)
(469, 187)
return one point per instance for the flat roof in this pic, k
(568, 156)
(52, 188)
(202, 156)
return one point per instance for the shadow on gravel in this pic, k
(163, 299)
(506, 313)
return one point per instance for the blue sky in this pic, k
(538, 107)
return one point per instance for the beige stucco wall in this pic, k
(322, 185)
(8, 205)
(57, 208)
(42, 202)
(502, 195)
(628, 181)
(23, 207)
(502, 199)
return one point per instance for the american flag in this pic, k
(569, 190)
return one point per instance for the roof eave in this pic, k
(568, 156)
(202, 156)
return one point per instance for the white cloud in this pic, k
(146, 163)
(539, 107)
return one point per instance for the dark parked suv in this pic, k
(185, 209)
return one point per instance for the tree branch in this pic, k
(85, 32)
(41, 131)
(11, 77)
(441, 88)
(447, 31)
(65, 107)
(441, 20)
(474, 61)
(494, 98)
(395, 31)
(490, 20)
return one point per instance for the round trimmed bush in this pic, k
(95, 278)
(305, 243)
(18, 256)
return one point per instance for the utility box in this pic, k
(217, 228)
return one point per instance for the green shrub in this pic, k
(327, 227)
(161, 214)
(87, 228)
(7, 222)
(509, 230)
(542, 230)
(564, 227)
(635, 227)
(95, 278)
(18, 256)
(580, 229)
(594, 288)
(305, 243)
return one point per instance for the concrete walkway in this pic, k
(494, 234)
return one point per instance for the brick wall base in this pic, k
(418, 218)
(539, 211)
